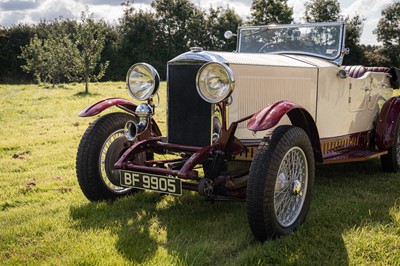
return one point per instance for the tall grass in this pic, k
(45, 219)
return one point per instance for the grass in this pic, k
(45, 219)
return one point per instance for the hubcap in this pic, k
(291, 186)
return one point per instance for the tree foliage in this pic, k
(179, 22)
(53, 59)
(264, 12)
(81, 50)
(374, 56)
(90, 39)
(11, 40)
(354, 29)
(110, 53)
(33, 54)
(171, 29)
(138, 39)
(328, 11)
(66, 51)
(322, 11)
(219, 21)
(388, 32)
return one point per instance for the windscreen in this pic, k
(322, 40)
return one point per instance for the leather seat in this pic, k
(355, 71)
(359, 71)
(378, 69)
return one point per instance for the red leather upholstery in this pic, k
(355, 71)
(378, 69)
(358, 71)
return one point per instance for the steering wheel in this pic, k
(272, 47)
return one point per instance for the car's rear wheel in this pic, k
(280, 183)
(391, 161)
(100, 148)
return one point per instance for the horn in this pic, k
(132, 129)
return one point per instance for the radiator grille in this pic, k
(189, 116)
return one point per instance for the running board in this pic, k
(353, 156)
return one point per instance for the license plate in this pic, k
(159, 183)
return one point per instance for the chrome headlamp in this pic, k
(215, 82)
(142, 81)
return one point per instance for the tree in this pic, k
(265, 12)
(53, 59)
(61, 52)
(354, 29)
(180, 24)
(34, 55)
(220, 20)
(90, 39)
(388, 32)
(139, 40)
(170, 29)
(329, 10)
(322, 11)
(11, 40)
(115, 70)
(67, 51)
(374, 56)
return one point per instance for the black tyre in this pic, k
(391, 161)
(280, 183)
(101, 146)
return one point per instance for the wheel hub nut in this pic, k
(296, 187)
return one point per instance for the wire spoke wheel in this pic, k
(291, 186)
(280, 183)
(100, 148)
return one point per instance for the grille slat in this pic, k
(189, 116)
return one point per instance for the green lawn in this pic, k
(45, 219)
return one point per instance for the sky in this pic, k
(32, 11)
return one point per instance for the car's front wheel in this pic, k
(100, 148)
(391, 161)
(280, 183)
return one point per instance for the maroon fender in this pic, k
(124, 104)
(99, 107)
(272, 114)
(387, 123)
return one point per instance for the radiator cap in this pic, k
(196, 49)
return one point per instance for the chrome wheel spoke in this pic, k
(291, 187)
(280, 205)
(281, 192)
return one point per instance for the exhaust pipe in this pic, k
(132, 129)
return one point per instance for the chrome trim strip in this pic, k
(197, 58)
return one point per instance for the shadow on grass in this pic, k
(84, 94)
(191, 230)
(200, 233)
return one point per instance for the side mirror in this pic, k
(228, 35)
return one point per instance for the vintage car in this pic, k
(248, 125)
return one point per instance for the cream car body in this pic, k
(336, 104)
